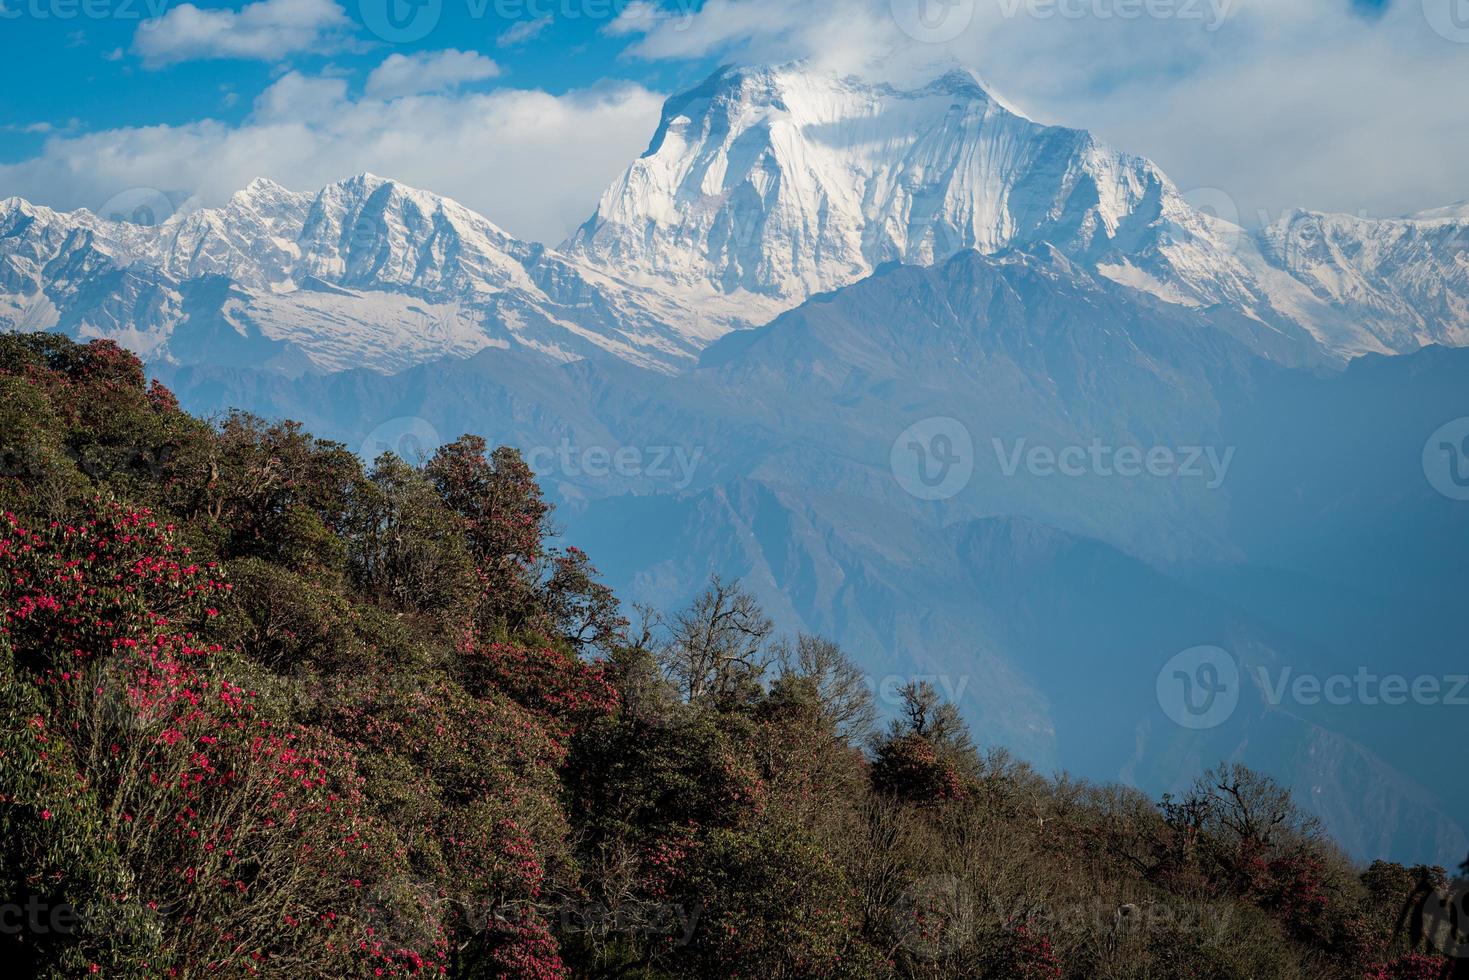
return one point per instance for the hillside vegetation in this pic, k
(269, 712)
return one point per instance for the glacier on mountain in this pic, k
(761, 188)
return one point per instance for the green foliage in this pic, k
(404, 551)
(769, 904)
(264, 711)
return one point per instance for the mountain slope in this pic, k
(1055, 599)
(784, 182)
(1407, 276)
(365, 272)
(764, 186)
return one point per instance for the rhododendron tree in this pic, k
(1412, 966)
(217, 821)
(910, 768)
(267, 709)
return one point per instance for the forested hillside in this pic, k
(268, 711)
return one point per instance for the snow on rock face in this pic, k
(1410, 275)
(763, 186)
(366, 272)
(787, 181)
(373, 233)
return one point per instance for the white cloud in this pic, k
(301, 98)
(524, 31)
(428, 71)
(265, 31)
(1287, 103)
(839, 33)
(532, 162)
(1279, 103)
(638, 17)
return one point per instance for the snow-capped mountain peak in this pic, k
(365, 272)
(785, 181)
(761, 187)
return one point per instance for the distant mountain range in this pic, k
(761, 188)
(805, 278)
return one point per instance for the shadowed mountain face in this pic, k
(1035, 486)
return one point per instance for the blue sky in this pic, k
(526, 109)
(61, 64)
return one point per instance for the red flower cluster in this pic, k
(234, 819)
(561, 688)
(1411, 966)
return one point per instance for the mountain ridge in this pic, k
(762, 187)
(419, 276)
